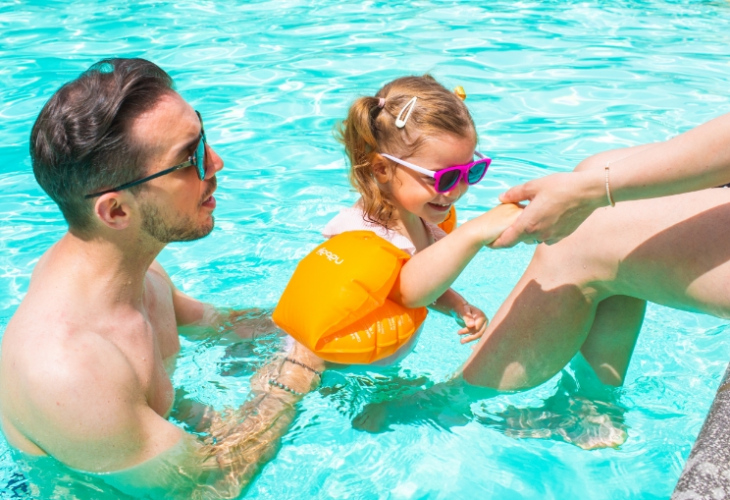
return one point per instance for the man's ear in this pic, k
(381, 170)
(114, 209)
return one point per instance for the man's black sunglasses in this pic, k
(197, 160)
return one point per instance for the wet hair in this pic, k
(370, 129)
(81, 141)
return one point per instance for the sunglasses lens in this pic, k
(448, 180)
(477, 171)
(200, 158)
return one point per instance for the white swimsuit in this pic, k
(353, 219)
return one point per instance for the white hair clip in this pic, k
(401, 122)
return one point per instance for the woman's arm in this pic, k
(559, 203)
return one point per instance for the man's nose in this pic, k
(213, 162)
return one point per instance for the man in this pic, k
(86, 359)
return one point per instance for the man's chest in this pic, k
(153, 347)
(161, 318)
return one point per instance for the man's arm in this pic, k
(117, 431)
(206, 319)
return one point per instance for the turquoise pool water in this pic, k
(549, 82)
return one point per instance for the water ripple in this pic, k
(549, 82)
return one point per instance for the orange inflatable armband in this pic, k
(449, 223)
(337, 305)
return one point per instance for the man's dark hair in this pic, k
(81, 143)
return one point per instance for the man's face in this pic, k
(177, 206)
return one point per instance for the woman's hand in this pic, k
(559, 203)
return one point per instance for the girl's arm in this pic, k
(472, 319)
(448, 303)
(429, 273)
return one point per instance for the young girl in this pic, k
(412, 153)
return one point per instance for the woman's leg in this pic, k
(541, 325)
(618, 319)
(670, 250)
(612, 337)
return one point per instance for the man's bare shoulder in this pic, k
(64, 389)
(58, 358)
(62, 352)
(187, 309)
(156, 269)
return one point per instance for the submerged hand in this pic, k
(559, 203)
(251, 323)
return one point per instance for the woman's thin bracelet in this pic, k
(608, 188)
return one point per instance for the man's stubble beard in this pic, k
(154, 224)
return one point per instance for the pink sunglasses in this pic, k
(446, 179)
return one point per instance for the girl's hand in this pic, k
(473, 320)
(559, 203)
(489, 226)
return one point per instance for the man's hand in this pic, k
(230, 325)
(559, 203)
(250, 323)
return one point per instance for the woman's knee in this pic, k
(560, 264)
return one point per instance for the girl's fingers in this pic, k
(470, 338)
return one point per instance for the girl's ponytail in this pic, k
(359, 134)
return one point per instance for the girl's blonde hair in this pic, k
(370, 129)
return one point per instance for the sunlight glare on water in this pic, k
(548, 83)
